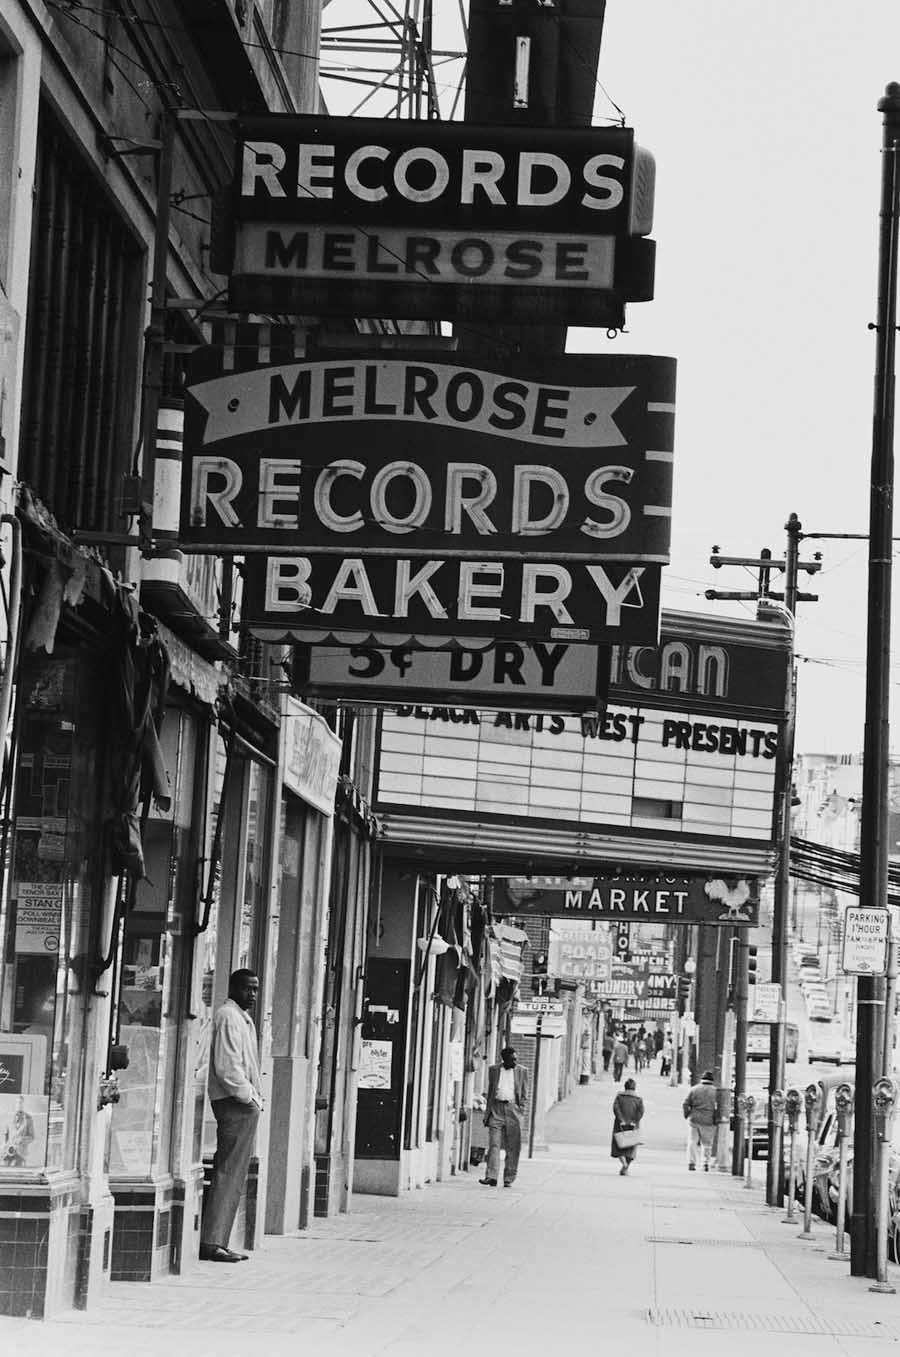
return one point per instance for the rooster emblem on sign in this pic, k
(733, 898)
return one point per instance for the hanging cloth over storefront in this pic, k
(140, 683)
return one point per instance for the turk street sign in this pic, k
(645, 897)
(362, 217)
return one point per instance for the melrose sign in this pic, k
(644, 898)
(358, 216)
(418, 494)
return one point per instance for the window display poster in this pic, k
(23, 1060)
(38, 916)
(375, 1064)
(23, 1130)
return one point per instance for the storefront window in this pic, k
(152, 953)
(55, 880)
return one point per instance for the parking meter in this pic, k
(793, 1101)
(792, 1104)
(885, 1096)
(812, 1098)
(750, 1103)
(742, 1105)
(843, 1106)
(777, 1101)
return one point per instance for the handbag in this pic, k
(627, 1139)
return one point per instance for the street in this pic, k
(660, 1262)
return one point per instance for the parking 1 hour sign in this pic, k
(866, 933)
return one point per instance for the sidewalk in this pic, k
(663, 1262)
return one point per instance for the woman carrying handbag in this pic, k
(628, 1113)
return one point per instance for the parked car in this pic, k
(824, 1045)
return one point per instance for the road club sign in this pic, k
(358, 216)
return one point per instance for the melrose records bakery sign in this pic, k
(421, 494)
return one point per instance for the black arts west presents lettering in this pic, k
(618, 726)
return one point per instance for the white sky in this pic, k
(762, 117)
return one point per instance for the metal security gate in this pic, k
(84, 310)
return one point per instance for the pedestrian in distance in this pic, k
(609, 1042)
(506, 1100)
(699, 1108)
(236, 1097)
(665, 1056)
(640, 1053)
(628, 1113)
(619, 1058)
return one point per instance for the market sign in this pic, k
(866, 936)
(366, 217)
(647, 898)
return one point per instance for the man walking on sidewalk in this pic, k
(700, 1110)
(234, 1091)
(507, 1094)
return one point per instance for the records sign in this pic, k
(428, 455)
(358, 216)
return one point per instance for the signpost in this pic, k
(866, 938)
(767, 1003)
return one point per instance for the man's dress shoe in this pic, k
(217, 1253)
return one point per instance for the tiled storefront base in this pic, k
(53, 1250)
(142, 1231)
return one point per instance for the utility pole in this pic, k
(791, 565)
(873, 1023)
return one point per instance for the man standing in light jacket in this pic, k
(700, 1110)
(234, 1091)
(507, 1095)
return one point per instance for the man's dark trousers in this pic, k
(236, 1128)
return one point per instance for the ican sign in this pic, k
(358, 216)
